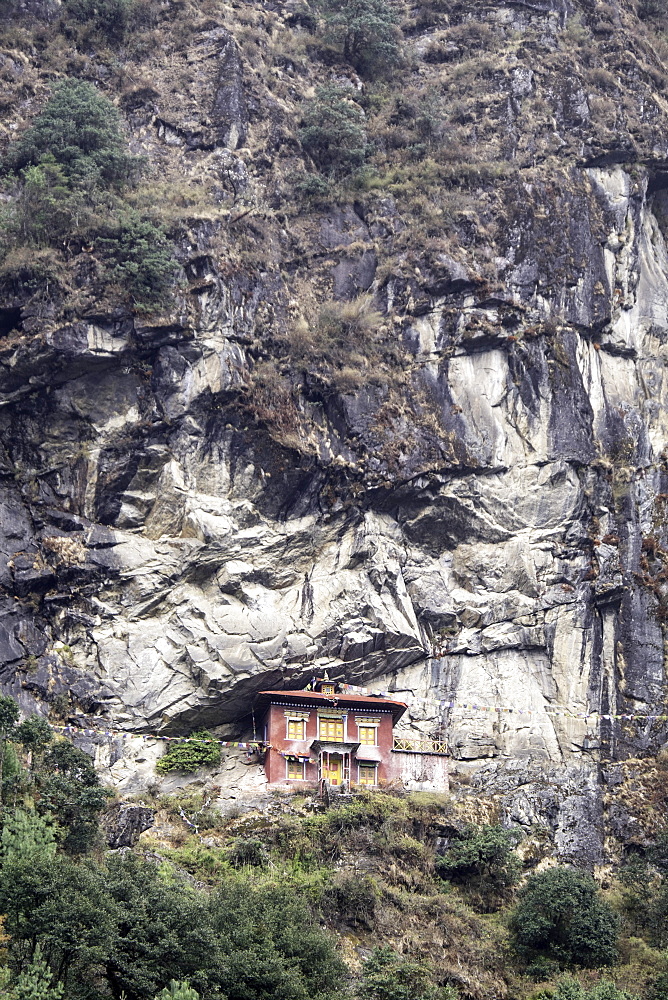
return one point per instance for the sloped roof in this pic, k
(318, 700)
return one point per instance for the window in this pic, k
(332, 730)
(327, 689)
(295, 770)
(296, 729)
(368, 736)
(367, 774)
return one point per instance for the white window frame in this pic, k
(360, 765)
(369, 725)
(295, 718)
(287, 770)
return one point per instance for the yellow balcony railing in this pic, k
(420, 746)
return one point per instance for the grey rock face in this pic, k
(124, 824)
(230, 112)
(185, 560)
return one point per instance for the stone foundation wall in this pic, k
(420, 772)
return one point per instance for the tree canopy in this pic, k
(560, 914)
(81, 130)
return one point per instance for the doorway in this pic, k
(332, 769)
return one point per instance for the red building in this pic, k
(326, 733)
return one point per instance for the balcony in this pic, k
(420, 746)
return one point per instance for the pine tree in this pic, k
(36, 981)
(177, 991)
(26, 833)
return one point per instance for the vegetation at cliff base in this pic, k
(366, 900)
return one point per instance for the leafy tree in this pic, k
(483, 862)
(36, 981)
(274, 947)
(163, 932)
(655, 918)
(48, 207)
(139, 258)
(61, 905)
(388, 976)
(658, 989)
(178, 991)
(333, 131)
(366, 30)
(201, 750)
(568, 988)
(25, 833)
(70, 791)
(560, 914)
(35, 735)
(9, 715)
(81, 130)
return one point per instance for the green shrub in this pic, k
(367, 32)
(333, 130)
(353, 898)
(482, 862)
(138, 257)
(247, 851)
(81, 130)
(568, 988)
(312, 187)
(48, 207)
(560, 915)
(202, 750)
(658, 989)
(388, 976)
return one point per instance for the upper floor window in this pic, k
(327, 689)
(367, 735)
(296, 729)
(331, 730)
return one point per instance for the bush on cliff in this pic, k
(138, 257)
(71, 169)
(333, 131)
(110, 17)
(367, 32)
(201, 749)
(81, 130)
(389, 976)
(559, 914)
(483, 862)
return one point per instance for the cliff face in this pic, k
(467, 500)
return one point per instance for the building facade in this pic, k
(328, 735)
